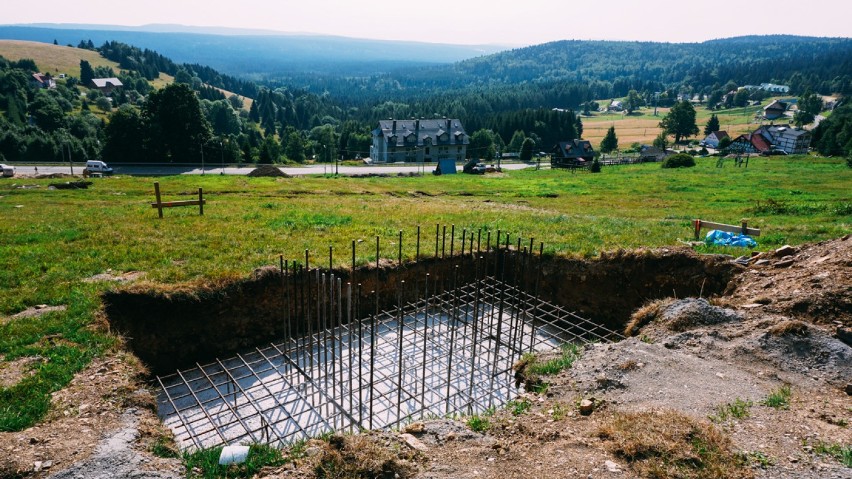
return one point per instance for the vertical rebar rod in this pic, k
(535, 308)
(372, 364)
(463, 240)
(360, 363)
(399, 256)
(473, 340)
(453, 325)
(425, 338)
(400, 331)
(479, 240)
(349, 337)
(452, 239)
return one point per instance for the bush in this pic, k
(849, 161)
(681, 160)
(596, 166)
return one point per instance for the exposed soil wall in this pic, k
(170, 328)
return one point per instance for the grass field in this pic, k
(53, 239)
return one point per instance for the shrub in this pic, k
(849, 161)
(681, 160)
(596, 166)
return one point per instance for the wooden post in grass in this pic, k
(157, 196)
(159, 204)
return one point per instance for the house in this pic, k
(773, 88)
(793, 141)
(651, 153)
(105, 85)
(750, 143)
(43, 80)
(615, 105)
(419, 140)
(774, 110)
(571, 153)
(712, 140)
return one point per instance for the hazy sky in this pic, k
(521, 22)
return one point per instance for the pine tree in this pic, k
(86, 73)
(712, 125)
(610, 141)
(578, 125)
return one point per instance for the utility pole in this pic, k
(222, 151)
(202, 157)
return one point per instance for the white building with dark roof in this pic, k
(105, 85)
(419, 141)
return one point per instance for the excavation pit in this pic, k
(452, 354)
(311, 350)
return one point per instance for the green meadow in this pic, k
(52, 240)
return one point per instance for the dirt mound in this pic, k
(812, 283)
(679, 315)
(809, 351)
(267, 171)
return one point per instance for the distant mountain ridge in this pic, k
(260, 55)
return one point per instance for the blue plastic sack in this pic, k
(723, 238)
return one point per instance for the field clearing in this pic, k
(642, 126)
(54, 59)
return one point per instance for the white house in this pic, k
(712, 140)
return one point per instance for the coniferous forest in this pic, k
(537, 92)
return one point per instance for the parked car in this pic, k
(97, 166)
(7, 171)
(773, 152)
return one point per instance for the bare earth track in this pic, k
(783, 322)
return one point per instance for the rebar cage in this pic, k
(445, 353)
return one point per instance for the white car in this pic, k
(7, 171)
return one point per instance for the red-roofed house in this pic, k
(43, 80)
(750, 143)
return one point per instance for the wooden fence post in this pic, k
(200, 203)
(157, 195)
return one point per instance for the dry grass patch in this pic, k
(787, 328)
(364, 456)
(54, 58)
(667, 444)
(644, 315)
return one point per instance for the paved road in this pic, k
(294, 171)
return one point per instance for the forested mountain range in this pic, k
(261, 57)
(610, 69)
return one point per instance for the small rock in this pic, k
(37, 466)
(415, 428)
(413, 442)
(47, 464)
(784, 263)
(611, 466)
(761, 262)
(785, 250)
(312, 451)
(586, 407)
(793, 459)
(849, 389)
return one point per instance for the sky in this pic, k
(515, 23)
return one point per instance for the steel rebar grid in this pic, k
(437, 360)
